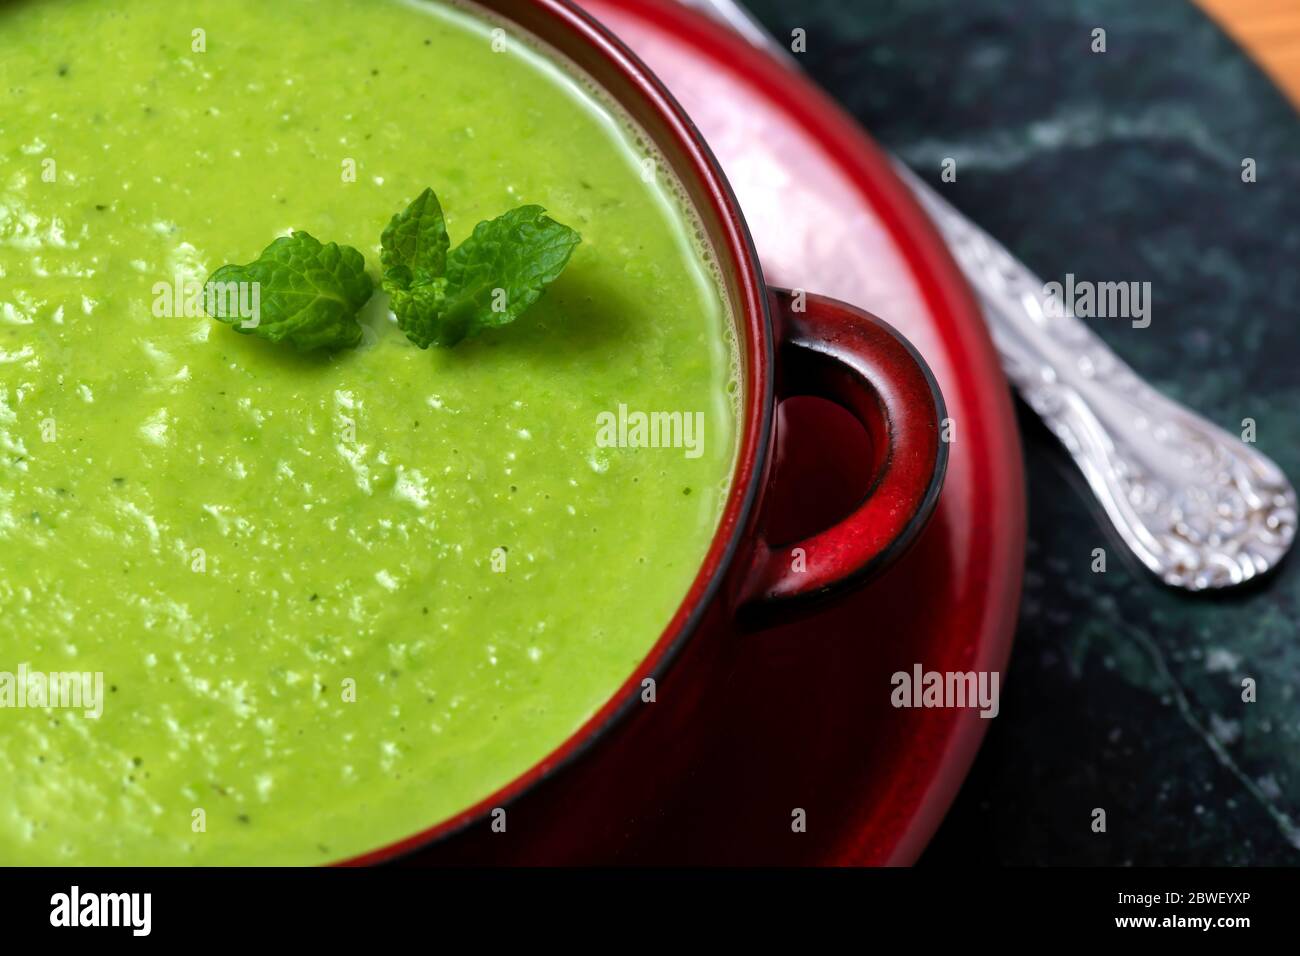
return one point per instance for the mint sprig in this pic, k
(302, 291)
(489, 280)
(310, 294)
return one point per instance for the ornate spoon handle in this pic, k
(1198, 506)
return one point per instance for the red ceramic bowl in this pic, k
(621, 767)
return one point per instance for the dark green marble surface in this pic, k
(1117, 166)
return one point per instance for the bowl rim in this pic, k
(599, 51)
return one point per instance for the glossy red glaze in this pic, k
(806, 723)
(833, 350)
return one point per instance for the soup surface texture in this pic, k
(335, 598)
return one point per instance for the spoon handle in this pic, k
(1198, 506)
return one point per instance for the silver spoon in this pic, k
(1200, 508)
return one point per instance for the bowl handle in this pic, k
(827, 348)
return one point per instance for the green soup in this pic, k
(333, 599)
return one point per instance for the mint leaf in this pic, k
(414, 246)
(296, 291)
(489, 280)
(518, 254)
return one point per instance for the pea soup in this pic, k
(331, 598)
